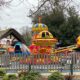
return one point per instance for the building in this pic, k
(11, 34)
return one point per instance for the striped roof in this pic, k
(40, 24)
(39, 27)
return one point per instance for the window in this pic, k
(17, 48)
(47, 34)
(43, 34)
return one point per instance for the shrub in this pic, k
(33, 75)
(2, 72)
(29, 76)
(56, 76)
(22, 73)
(10, 77)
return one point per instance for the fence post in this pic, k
(29, 67)
(71, 65)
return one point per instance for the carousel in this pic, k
(42, 40)
(42, 44)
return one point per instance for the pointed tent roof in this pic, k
(11, 31)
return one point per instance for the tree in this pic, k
(62, 19)
(26, 33)
(5, 2)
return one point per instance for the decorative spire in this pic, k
(40, 18)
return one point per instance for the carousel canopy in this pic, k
(44, 38)
(39, 27)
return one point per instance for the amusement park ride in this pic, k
(43, 43)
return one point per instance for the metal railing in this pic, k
(41, 62)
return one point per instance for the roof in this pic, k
(11, 31)
(39, 27)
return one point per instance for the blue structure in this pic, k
(21, 49)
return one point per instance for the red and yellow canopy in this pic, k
(44, 38)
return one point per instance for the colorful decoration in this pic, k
(34, 49)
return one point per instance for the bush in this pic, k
(56, 76)
(29, 76)
(33, 75)
(2, 72)
(23, 73)
(10, 77)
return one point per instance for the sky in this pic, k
(16, 14)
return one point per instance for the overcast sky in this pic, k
(16, 15)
